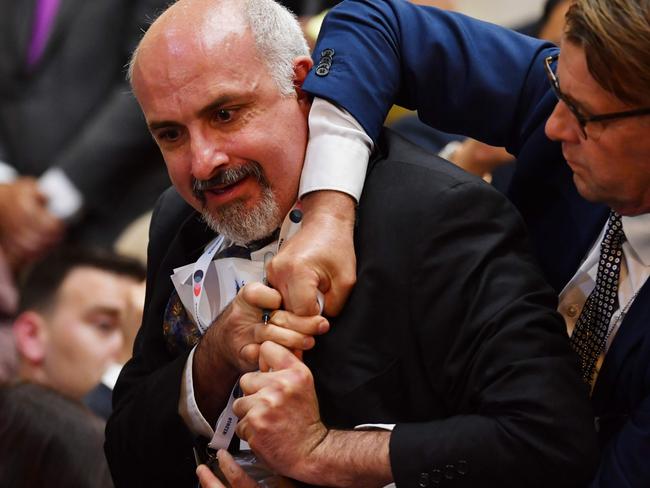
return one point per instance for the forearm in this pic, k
(430, 60)
(322, 207)
(352, 458)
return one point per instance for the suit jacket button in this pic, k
(322, 70)
(436, 476)
(423, 482)
(450, 471)
(329, 52)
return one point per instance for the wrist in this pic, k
(328, 205)
(351, 459)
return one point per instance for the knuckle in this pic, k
(295, 379)
(302, 375)
(256, 421)
(348, 280)
(266, 347)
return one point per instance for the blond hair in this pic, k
(615, 35)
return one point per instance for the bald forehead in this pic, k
(207, 17)
(193, 26)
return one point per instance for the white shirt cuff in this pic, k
(389, 427)
(338, 151)
(7, 173)
(64, 200)
(187, 407)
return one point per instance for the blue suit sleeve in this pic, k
(462, 75)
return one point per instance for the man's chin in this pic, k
(242, 225)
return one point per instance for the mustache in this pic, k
(228, 176)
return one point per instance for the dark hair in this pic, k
(39, 286)
(49, 440)
(615, 35)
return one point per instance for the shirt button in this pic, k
(572, 311)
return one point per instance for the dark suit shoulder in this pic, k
(396, 156)
(410, 180)
(168, 214)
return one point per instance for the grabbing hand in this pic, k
(235, 475)
(231, 346)
(279, 414)
(239, 330)
(320, 256)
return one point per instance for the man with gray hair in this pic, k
(456, 385)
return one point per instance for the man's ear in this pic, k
(30, 336)
(301, 67)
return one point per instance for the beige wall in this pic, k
(505, 12)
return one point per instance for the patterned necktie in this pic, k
(590, 334)
(44, 14)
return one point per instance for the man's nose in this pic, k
(208, 155)
(562, 125)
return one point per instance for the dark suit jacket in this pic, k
(450, 332)
(446, 66)
(74, 109)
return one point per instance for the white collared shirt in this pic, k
(635, 269)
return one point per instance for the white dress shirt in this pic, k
(635, 269)
(338, 152)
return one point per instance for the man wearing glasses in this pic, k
(582, 183)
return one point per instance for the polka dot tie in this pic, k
(592, 328)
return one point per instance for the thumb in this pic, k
(275, 357)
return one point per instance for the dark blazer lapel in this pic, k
(185, 247)
(188, 243)
(633, 329)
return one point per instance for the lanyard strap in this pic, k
(198, 277)
(227, 422)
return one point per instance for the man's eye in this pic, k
(223, 115)
(168, 135)
(105, 325)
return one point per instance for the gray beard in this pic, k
(242, 225)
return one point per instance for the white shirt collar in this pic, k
(637, 232)
(110, 375)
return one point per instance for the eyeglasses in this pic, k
(594, 130)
